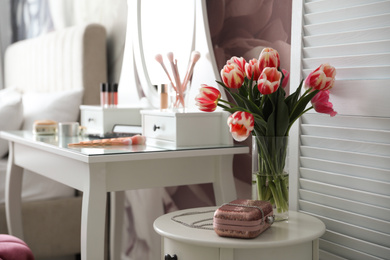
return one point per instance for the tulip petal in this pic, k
(207, 99)
(240, 125)
(269, 81)
(232, 76)
(321, 103)
(269, 58)
(322, 78)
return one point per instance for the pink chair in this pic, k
(13, 248)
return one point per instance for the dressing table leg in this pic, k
(117, 202)
(13, 190)
(224, 187)
(93, 214)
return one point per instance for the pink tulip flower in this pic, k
(207, 99)
(286, 75)
(240, 125)
(232, 75)
(322, 78)
(321, 103)
(252, 68)
(269, 81)
(240, 62)
(269, 58)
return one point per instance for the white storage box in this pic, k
(100, 120)
(190, 129)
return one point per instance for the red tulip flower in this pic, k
(321, 103)
(322, 78)
(269, 81)
(207, 99)
(232, 75)
(240, 125)
(269, 58)
(240, 62)
(252, 69)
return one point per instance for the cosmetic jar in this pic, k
(68, 128)
(44, 127)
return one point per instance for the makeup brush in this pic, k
(159, 59)
(195, 56)
(176, 76)
(120, 141)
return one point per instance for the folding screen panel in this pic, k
(341, 167)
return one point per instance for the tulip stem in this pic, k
(291, 123)
(227, 102)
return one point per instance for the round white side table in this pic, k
(296, 238)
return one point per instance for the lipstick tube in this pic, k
(114, 94)
(103, 94)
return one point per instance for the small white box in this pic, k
(189, 129)
(100, 120)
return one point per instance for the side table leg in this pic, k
(93, 214)
(224, 187)
(316, 246)
(13, 196)
(117, 205)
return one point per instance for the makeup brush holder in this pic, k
(179, 103)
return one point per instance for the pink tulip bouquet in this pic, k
(262, 108)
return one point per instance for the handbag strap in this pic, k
(195, 224)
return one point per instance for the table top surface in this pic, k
(59, 144)
(300, 228)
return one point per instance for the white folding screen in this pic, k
(340, 168)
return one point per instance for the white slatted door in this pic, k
(342, 164)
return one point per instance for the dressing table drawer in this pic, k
(160, 127)
(100, 120)
(190, 129)
(93, 121)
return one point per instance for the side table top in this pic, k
(300, 228)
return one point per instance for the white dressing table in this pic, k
(96, 171)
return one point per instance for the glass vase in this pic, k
(270, 178)
(179, 103)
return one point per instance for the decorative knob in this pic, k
(169, 257)
(90, 119)
(155, 128)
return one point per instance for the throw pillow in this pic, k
(63, 106)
